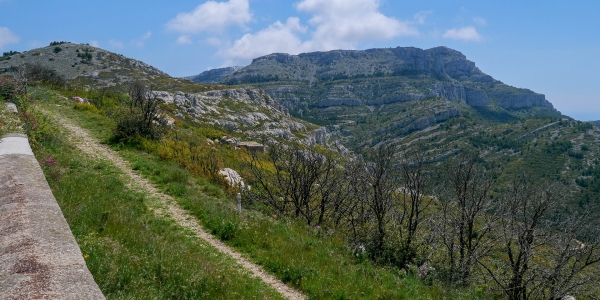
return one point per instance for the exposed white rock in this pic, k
(233, 178)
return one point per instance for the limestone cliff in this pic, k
(379, 76)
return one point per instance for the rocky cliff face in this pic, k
(379, 76)
(439, 62)
(214, 75)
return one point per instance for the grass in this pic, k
(9, 121)
(131, 253)
(315, 261)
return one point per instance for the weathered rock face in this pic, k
(476, 98)
(517, 101)
(437, 62)
(214, 75)
(379, 76)
(319, 136)
(248, 111)
(200, 102)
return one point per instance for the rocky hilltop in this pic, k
(380, 76)
(214, 75)
(89, 65)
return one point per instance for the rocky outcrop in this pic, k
(203, 102)
(518, 101)
(476, 98)
(214, 75)
(450, 91)
(319, 136)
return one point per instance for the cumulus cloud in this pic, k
(334, 24)
(184, 40)
(115, 44)
(212, 16)
(7, 37)
(279, 37)
(342, 24)
(139, 42)
(94, 44)
(468, 34)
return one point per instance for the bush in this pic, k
(9, 53)
(36, 73)
(11, 88)
(142, 119)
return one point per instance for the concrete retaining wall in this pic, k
(39, 257)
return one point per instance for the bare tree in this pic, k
(376, 186)
(542, 259)
(414, 200)
(302, 182)
(466, 217)
(144, 117)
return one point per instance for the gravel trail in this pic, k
(168, 206)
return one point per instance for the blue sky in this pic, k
(550, 47)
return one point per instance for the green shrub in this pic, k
(142, 119)
(11, 88)
(88, 107)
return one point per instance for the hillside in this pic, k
(434, 99)
(246, 113)
(313, 218)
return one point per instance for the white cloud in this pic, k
(336, 24)
(139, 42)
(115, 44)
(94, 44)
(7, 37)
(342, 24)
(479, 21)
(212, 16)
(468, 34)
(278, 37)
(184, 40)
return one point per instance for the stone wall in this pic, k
(39, 257)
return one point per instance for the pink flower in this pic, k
(49, 161)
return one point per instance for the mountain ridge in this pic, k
(407, 73)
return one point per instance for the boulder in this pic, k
(252, 146)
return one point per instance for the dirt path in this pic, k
(168, 207)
